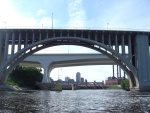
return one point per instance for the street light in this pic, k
(5, 24)
(52, 20)
(107, 25)
(58, 73)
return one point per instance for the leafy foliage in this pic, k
(25, 76)
(125, 84)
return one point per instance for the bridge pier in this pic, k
(142, 62)
(45, 64)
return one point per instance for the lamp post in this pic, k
(107, 25)
(52, 20)
(5, 24)
(58, 73)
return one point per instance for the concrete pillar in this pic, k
(13, 44)
(45, 64)
(89, 35)
(109, 40)
(33, 38)
(120, 71)
(123, 46)
(40, 36)
(47, 35)
(96, 36)
(124, 75)
(6, 47)
(68, 33)
(1, 49)
(103, 38)
(113, 72)
(143, 61)
(26, 41)
(53, 33)
(117, 72)
(129, 48)
(45, 79)
(19, 42)
(81, 34)
(116, 43)
(74, 33)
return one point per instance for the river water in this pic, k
(75, 101)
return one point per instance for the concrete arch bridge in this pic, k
(112, 43)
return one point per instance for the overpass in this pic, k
(50, 61)
(112, 43)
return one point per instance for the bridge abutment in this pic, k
(142, 62)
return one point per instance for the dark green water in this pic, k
(79, 101)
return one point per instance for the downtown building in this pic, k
(78, 77)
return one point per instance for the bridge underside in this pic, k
(114, 44)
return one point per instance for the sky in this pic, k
(79, 14)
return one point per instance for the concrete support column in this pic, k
(116, 43)
(68, 33)
(96, 36)
(45, 79)
(103, 38)
(123, 46)
(33, 38)
(120, 71)
(74, 33)
(53, 33)
(124, 75)
(26, 41)
(129, 48)
(19, 42)
(143, 61)
(113, 72)
(0, 49)
(109, 40)
(47, 35)
(13, 44)
(40, 36)
(82, 34)
(117, 72)
(6, 47)
(89, 35)
(45, 64)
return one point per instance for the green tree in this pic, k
(125, 84)
(25, 76)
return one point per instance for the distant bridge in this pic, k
(51, 61)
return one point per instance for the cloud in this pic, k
(41, 12)
(11, 17)
(76, 14)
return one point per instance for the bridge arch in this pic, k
(95, 45)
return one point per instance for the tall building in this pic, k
(78, 77)
(67, 79)
(82, 80)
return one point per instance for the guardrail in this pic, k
(78, 28)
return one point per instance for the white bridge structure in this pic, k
(112, 43)
(50, 61)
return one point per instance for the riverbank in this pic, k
(114, 87)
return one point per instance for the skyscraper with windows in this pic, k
(78, 77)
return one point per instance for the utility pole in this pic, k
(52, 20)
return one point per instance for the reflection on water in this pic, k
(76, 101)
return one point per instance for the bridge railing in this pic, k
(78, 28)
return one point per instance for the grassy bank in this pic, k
(114, 88)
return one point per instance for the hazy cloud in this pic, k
(76, 14)
(41, 12)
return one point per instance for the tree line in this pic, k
(25, 76)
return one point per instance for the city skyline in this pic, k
(76, 14)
